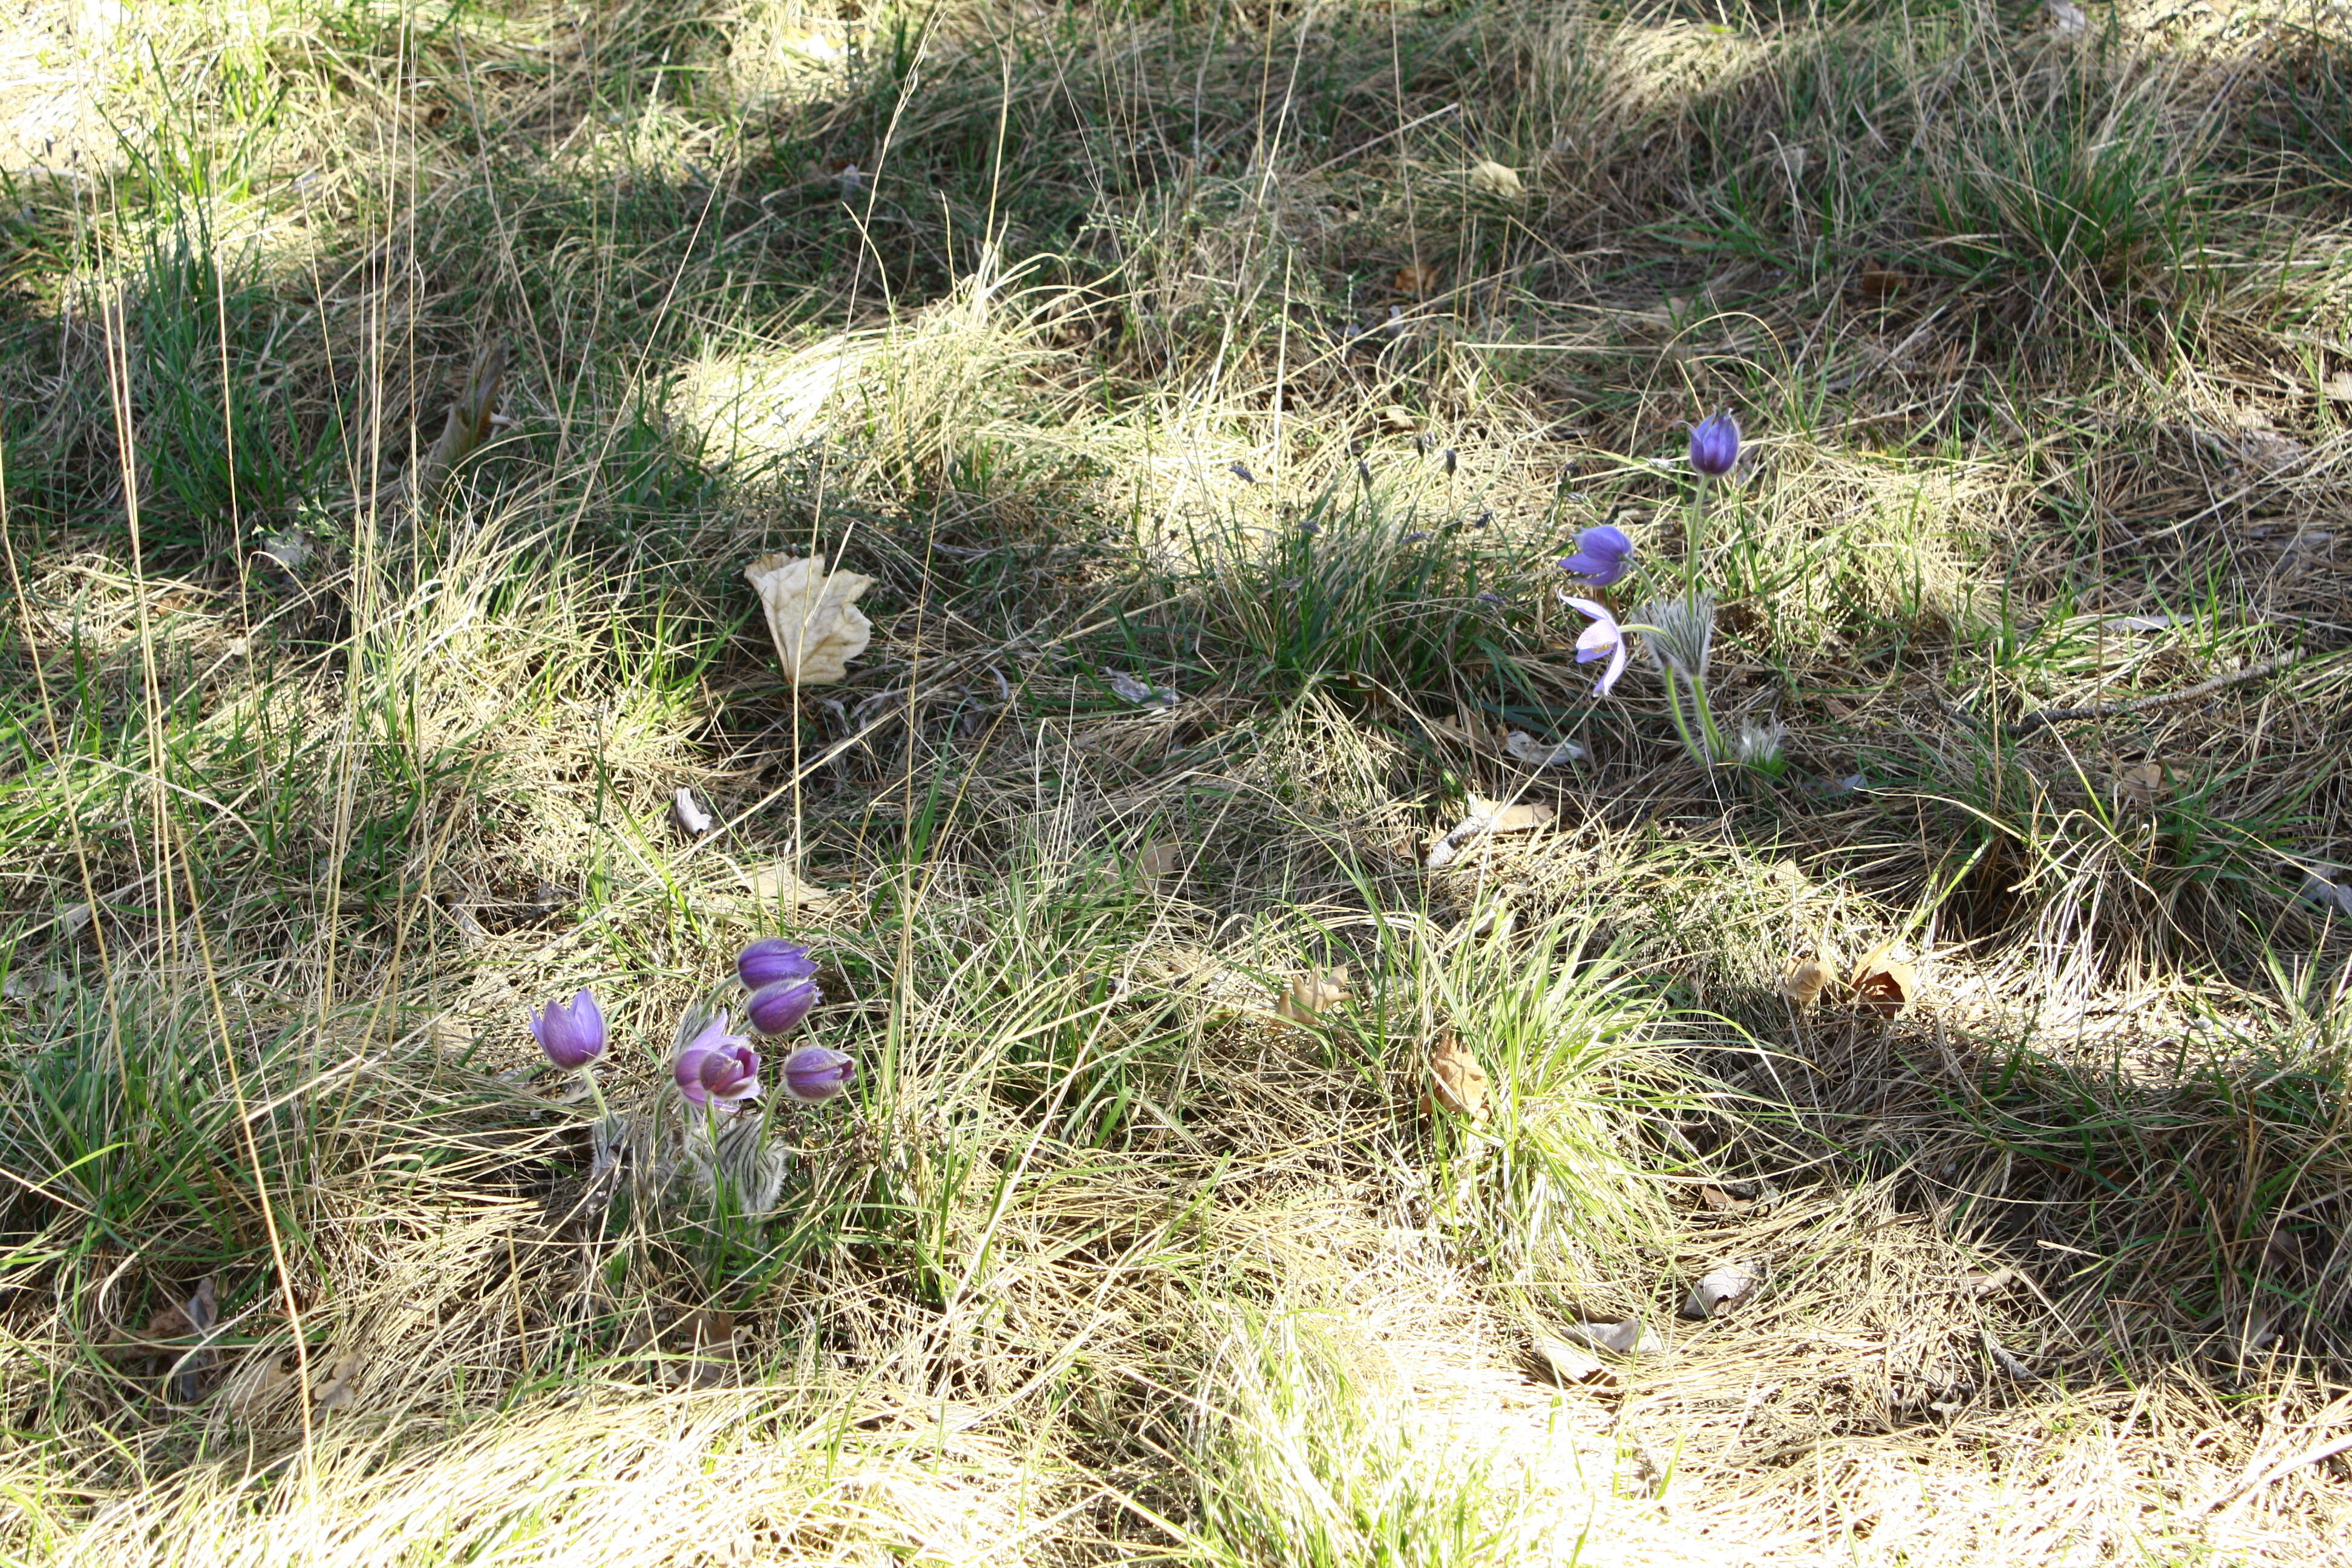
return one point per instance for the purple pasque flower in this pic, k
(1602, 554)
(717, 1066)
(773, 958)
(1715, 444)
(814, 1073)
(777, 1007)
(1604, 638)
(572, 1034)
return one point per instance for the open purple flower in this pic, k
(1715, 445)
(773, 958)
(815, 1073)
(777, 1007)
(573, 1035)
(1604, 638)
(1602, 554)
(717, 1066)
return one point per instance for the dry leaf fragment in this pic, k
(2325, 888)
(1488, 816)
(1524, 747)
(2338, 387)
(1456, 1080)
(2140, 785)
(1883, 984)
(1717, 1290)
(688, 813)
(1416, 280)
(1557, 1360)
(1142, 692)
(1721, 1202)
(340, 1388)
(1492, 179)
(1803, 983)
(1157, 863)
(1982, 1285)
(1630, 1338)
(1314, 991)
(778, 885)
(813, 615)
(1399, 419)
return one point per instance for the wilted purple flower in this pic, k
(814, 1073)
(572, 1035)
(775, 1008)
(1602, 554)
(1715, 445)
(717, 1066)
(773, 958)
(1602, 639)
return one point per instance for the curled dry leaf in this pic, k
(1524, 747)
(1456, 1081)
(1492, 179)
(1398, 419)
(1157, 863)
(2140, 785)
(2338, 387)
(1416, 280)
(1883, 984)
(1630, 1338)
(339, 1387)
(1488, 816)
(1804, 983)
(1717, 1290)
(1314, 991)
(688, 813)
(813, 615)
(1556, 1361)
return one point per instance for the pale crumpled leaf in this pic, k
(1456, 1080)
(1488, 816)
(1314, 991)
(1490, 178)
(688, 813)
(1524, 747)
(813, 615)
(1557, 1360)
(1803, 983)
(1717, 1290)
(1628, 1338)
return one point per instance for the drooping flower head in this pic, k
(719, 1066)
(572, 1034)
(777, 1007)
(1602, 639)
(814, 1073)
(1715, 445)
(773, 958)
(1604, 554)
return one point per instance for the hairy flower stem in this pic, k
(1695, 535)
(1708, 746)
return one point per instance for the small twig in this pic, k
(2144, 704)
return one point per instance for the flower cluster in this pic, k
(1678, 630)
(717, 1069)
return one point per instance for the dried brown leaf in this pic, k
(1314, 991)
(1804, 983)
(1416, 280)
(1883, 984)
(1492, 179)
(812, 616)
(2140, 785)
(1456, 1080)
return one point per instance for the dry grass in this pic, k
(1192, 351)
